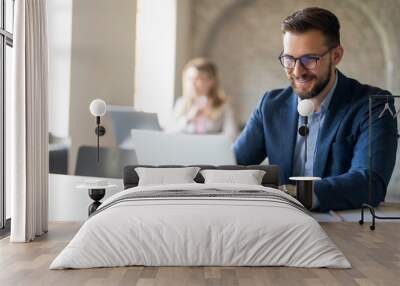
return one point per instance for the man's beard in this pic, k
(316, 90)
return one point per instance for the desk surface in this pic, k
(68, 203)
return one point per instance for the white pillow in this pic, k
(162, 176)
(248, 177)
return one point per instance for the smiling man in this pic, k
(337, 143)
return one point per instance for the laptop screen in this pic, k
(125, 118)
(160, 148)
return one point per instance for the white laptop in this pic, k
(160, 148)
(125, 118)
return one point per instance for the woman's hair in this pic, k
(205, 66)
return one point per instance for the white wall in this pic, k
(155, 56)
(59, 18)
(102, 65)
(92, 55)
(184, 49)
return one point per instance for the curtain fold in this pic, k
(27, 123)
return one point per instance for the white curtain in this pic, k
(26, 122)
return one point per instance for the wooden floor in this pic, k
(374, 255)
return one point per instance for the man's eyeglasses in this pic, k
(308, 62)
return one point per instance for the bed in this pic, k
(201, 224)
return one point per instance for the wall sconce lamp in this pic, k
(305, 185)
(98, 108)
(305, 108)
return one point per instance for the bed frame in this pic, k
(270, 179)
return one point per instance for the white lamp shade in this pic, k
(98, 107)
(305, 107)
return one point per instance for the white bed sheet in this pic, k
(200, 231)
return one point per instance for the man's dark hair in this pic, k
(314, 18)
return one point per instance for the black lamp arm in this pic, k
(100, 131)
(303, 131)
(305, 138)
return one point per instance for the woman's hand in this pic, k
(201, 108)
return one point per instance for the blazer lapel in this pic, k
(288, 124)
(336, 111)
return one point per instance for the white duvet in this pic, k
(200, 231)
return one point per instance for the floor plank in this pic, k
(374, 255)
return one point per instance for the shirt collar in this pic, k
(327, 100)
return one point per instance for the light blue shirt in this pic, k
(315, 122)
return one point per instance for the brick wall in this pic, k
(244, 38)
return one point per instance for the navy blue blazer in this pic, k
(342, 149)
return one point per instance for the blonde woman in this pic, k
(203, 108)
